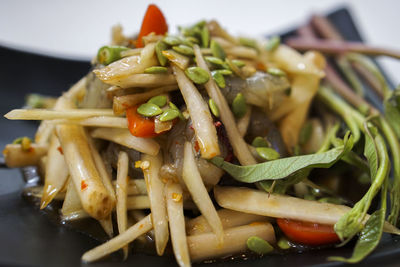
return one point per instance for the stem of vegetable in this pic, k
(395, 151)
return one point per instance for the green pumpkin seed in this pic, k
(173, 106)
(267, 153)
(197, 75)
(205, 36)
(184, 50)
(259, 142)
(192, 40)
(159, 100)
(213, 107)
(217, 50)
(276, 72)
(238, 63)
(224, 72)
(161, 46)
(171, 40)
(258, 245)
(218, 78)
(239, 106)
(283, 243)
(149, 110)
(273, 43)
(156, 70)
(248, 42)
(169, 115)
(215, 60)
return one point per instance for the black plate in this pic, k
(29, 238)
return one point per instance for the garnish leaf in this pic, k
(282, 168)
(370, 235)
(352, 222)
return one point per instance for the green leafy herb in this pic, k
(370, 234)
(351, 223)
(282, 168)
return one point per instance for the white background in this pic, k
(76, 29)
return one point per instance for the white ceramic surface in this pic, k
(77, 28)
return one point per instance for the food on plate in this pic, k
(220, 145)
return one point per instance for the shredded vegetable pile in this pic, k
(221, 144)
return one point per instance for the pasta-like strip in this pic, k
(229, 218)
(293, 62)
(128, 66)
(239, 146)
(16, 157)
(138, 202)
(101, 167)
(121, 186)
(195, 185)
(56, 173)
(125, 138)
(202, 122)
(136, 187)
(45, 130)
(173, 195)
(71, 202)
(121, 103)
(95, 198)
(102, 121)
(242, 52)
(144, 80)
(121, 240)
(155, 189)
(45, 114)
(278, 206)
(205, 246)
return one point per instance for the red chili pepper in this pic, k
(84, 185)
(153, 21)
(308, 233)
(138, 125)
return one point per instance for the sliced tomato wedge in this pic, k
(308, 233)
(153, 21)
(138, 125)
